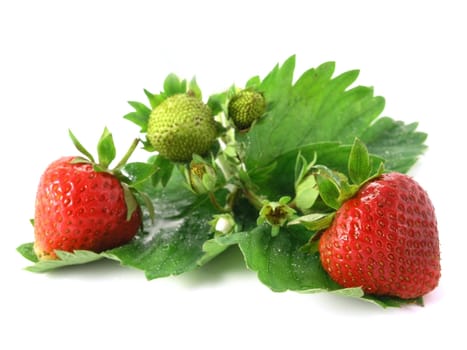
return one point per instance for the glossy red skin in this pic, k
(385, 239)
(79, 208)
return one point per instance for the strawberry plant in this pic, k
(304, 176)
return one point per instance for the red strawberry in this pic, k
(384, 239)
(79, 208)
(82, 205)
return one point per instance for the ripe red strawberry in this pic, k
(83, 205)
(79, 208)
(384, 239)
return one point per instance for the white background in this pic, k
(75, 64)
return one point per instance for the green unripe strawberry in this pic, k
(181, 126)
(245, 107)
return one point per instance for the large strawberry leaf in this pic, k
(173, 243)
(78, 257)
(282, 264)
(319, 108)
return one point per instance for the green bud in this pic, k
(223, 224)
(201, 176)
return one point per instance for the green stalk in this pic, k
(128, 154)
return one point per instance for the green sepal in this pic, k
(253, 83)
(303, 167)
(80, 147)
(154, 99)
(314, 221)
(359, 166)
(194, 89)
(329, 191)
(145, 199)
(334, 187)
(106, 149)
(130, 201)
(140, 116)
(79, 160)
(306, 193)
(140, 108)
(173, 85)
(202, 176)
(99, 168)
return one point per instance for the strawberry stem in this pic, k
(216, 204)
(253, 198)
(128, 154)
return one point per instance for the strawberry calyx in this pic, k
(128, 174)
(321, 191)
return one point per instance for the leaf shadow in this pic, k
(230, 264)
(96, 270)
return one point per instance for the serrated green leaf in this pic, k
(218, 244)
(398, 143)
(280, 263)
(253, 83)
(64, 259)
(173, 243)
(392, 301)
(164, 170)
(320, 108)
(106, 149)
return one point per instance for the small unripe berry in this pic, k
(245, 107)
(181, 126)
